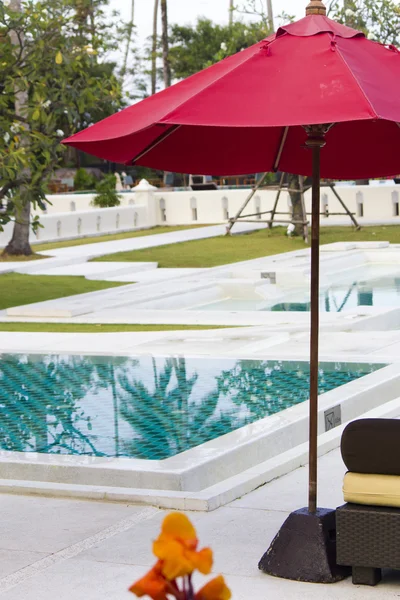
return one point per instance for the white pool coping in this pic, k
(208, 499)
(209, 473)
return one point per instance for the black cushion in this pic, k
(372, 446)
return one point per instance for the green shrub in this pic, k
(83, 180)
(106, 197)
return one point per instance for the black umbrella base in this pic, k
(305, 549)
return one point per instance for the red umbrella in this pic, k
(247, 113)
(314, 84)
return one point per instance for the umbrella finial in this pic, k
(316, 7)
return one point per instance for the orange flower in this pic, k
(176, 547)
(216, 589)
(152, 584)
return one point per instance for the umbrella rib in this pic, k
(156, 142)
(339, 52)
(282, 145)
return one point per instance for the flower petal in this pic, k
(178, 525)
(152, 584)
(175, 562)
(202, 560)
(216, 589)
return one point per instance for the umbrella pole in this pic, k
(315, 141)
(303, 549)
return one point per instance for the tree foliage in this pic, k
(51, 56)
(84, 180)
(378, 19)
(263, 10)
(106, 196)
(193, 48)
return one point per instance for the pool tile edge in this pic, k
(209, 499)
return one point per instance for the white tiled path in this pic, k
(80, 550)
(71, 255)
(263, 343)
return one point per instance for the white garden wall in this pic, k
(73, 216)
(368, 203)
(62, 226)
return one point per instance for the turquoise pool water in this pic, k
(148, 408)
(346, 293)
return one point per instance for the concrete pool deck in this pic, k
(247, 342)
(79, 550)
(73, 549)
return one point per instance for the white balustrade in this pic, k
(72, 215)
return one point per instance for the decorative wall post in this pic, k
(144, 195)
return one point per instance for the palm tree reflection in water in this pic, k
(165, 421)
(39, 404)
(170, 418)
(143, 408)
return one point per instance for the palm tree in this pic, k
(165, 44)
(129, 38)
(154, 49)
(231, 8)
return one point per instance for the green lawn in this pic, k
(110, 238)
(17, 289)
(92, 240)
(94, 328)
(217, 251)
(9, 258)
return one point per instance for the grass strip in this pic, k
(17, 289)
(100, 328)
(217, 251)
(111, 237)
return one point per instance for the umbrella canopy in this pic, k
(314, 84)
(245, 114)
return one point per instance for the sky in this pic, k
(186, 11)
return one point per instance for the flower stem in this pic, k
(190, 588)
(175, 591)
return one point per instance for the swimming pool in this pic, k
(379, 292)
(150, 408)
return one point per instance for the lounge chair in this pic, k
(368, 525)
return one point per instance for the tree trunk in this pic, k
(298, 213)
(270, 15)
(165, 44)
(231, 7)
(154, 49)
(19, 243)
(128, 39)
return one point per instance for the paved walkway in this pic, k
(249, 342)
(150, 241)
(76, 550)
(80, 254)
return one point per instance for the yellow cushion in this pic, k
(375, 490)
